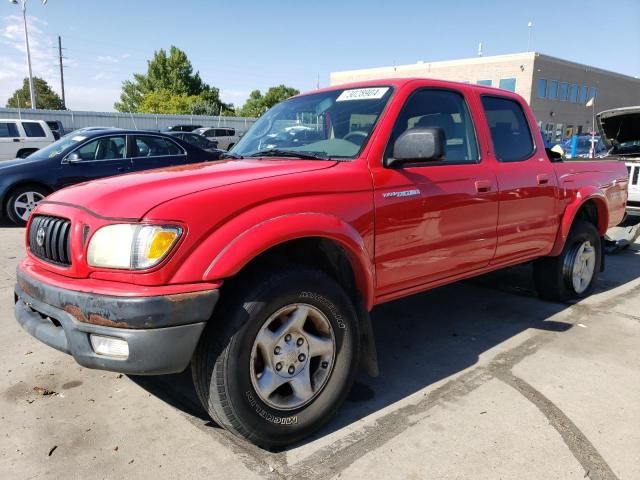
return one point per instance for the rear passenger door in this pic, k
(149, 151)
(36, 135)
(10, 141)
(529, 217)
(434, 220)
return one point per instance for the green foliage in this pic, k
(169, 86)
(46, 98)
(164, 101)
(257, 103)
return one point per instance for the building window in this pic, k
(574, 93)
(564, 91)
(508, 84)
(584, 91)
(486, 83)
(552, 91)
(542, 88)
(593, 93)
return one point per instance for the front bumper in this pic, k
(161, 331)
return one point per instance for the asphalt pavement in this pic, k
(479, 379)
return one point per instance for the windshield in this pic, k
(335, 124)
(56, 148)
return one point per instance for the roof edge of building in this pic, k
(585, 66)
(460, 61)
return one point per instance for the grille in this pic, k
(54, 236)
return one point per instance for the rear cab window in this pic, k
(510, 132)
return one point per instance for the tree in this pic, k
(163, 101)
(257, 103)
(169, 77)
(46, 98)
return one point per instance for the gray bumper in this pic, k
(162, 332)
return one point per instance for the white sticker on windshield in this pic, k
(362, 94)
(78, 138)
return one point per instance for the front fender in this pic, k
(262, 236)
(582, 196)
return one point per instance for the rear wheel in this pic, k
(574, 272)
(277, 361)
(22, 202)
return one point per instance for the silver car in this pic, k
(225, 136)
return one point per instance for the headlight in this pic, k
(130, 246)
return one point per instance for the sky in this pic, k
(245, 45)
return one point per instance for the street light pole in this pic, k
(529, 25)
(32, 90)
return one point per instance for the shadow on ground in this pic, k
(431, 336)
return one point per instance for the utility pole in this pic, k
(23, 4)
(32, 90)
(64, 103)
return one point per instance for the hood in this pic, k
(131, 196)
(619, 125)
(18, 162)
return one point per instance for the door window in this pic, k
(33, 129)
(510, 133)
(8, 130)
(444, 109)
(108, 148)
(155, 147)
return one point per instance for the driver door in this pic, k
(98, 158)
(435, 219)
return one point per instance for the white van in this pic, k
(20, 138)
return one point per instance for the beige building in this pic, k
(557, 90)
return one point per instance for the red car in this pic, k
(259, 271)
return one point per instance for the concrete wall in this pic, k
(76, 119)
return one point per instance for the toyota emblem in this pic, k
(40, 237)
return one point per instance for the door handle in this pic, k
(16, 139)
(543, 179)
(483, 186)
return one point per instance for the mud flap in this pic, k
(368, 351)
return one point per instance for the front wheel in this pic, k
(277, 361)
(573, 273)
(22, 202)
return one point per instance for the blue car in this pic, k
(88, 155)
(583, 147)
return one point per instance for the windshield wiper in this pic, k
(276, 152)
(231, 155)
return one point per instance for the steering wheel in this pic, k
(353, 135)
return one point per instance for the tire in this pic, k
(226, 365)
(22, 201)
(554, 276)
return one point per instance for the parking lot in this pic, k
(479, 379)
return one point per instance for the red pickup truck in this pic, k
(260, 270)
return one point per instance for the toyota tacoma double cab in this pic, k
(259, 271)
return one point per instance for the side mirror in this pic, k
(418, 145)
(74, 157)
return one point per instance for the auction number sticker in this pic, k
(362, 94)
